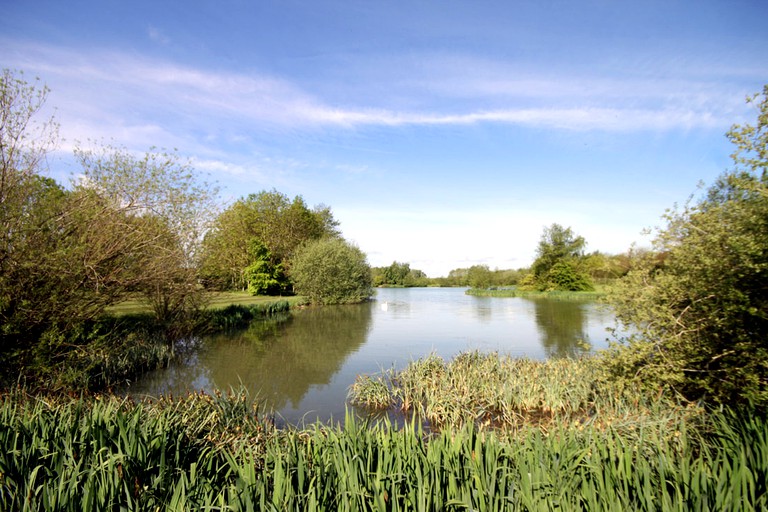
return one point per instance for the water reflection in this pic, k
(302, 363)
(277, 360)
(563, 326)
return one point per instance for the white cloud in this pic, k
(111, 89)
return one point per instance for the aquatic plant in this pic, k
(497, 391)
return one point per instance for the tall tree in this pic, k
(397, 274)
(559, 256)
(169, 208)
(129, 225)
(479, 276)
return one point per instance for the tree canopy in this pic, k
(129, 225)
(399, 274)
(332, 271)
(559, 263)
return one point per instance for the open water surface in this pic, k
(303, 363)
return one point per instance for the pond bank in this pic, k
(126, 343)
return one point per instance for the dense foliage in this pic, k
(129, 225)
(560, 262)
(700, 305)
(252, 242)
(332, 271)
(400, 275)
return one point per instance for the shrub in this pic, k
(332, 271)
(701, 312)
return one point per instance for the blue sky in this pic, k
(441, 133)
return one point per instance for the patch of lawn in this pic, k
(216, 300)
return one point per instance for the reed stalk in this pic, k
(220, 452)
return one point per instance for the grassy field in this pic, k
(216, 300)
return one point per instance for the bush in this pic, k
(332, 271)
(701, 311)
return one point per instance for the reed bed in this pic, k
(239, 316)
(501, 392)
(220, 452)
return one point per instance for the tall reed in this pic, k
(490, 389)
(218, 452)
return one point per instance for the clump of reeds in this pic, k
(238, 316)
(504, 392)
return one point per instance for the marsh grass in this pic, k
(239, 316)
(490, 390)
(219, 452)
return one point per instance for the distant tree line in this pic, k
(561, 264)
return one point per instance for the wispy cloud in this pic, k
(121, 91)
(580, 118)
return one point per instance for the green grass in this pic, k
(203, 452)
(223, 299)
(216, 300)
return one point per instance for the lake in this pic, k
(303, 363)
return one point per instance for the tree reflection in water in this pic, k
(277, 360)
(562, 325)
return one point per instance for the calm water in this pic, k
(303, 364)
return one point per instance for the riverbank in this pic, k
(214, 300)
(533, 294)
(127, 342)
(220, 451)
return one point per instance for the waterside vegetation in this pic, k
(512, 292)
(220, 452)
(501, 392)
(117, 348)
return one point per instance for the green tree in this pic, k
(331, 271)
(479, 276)
(262, 276)
(128, 226)
(277, 222)
(397, 274)
(699, 304)
(458, 277)
(558, 264)
(169, 209)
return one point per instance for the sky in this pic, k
(443, 134)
